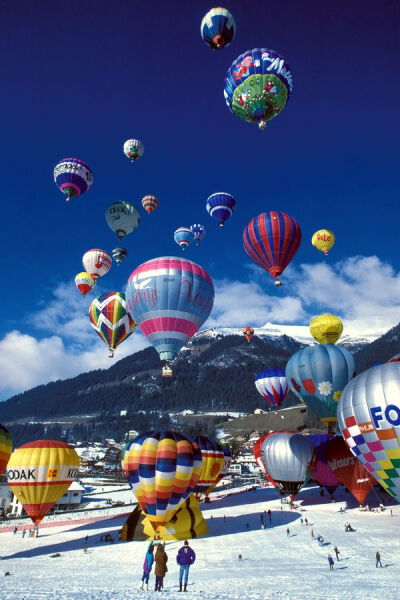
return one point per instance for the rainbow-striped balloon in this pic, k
(110, 320)
(212, 454)
(5, 447)
(162, 468)
(149, 203)
(39, 473)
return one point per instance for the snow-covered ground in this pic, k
(273, 566)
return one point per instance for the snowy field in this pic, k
(273, 565)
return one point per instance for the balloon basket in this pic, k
(167, 371)
(278, 283)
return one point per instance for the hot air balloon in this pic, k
(319, 468)
(96, 262)
(225, 469)
(394, 358)
(84, 282)
(317, 375)
(271, 240)
(369, 419)
(149, 203)
(119, 254)
(199, 232)
(326, 329)
(183, 237)
(348, 470)
(133, 149)
(212, 455)
(258, 86)
(272, 385)
(286, 456)
(110, 320)
(163, 469)
(257, 454)
(218, 28)
(122, 218)
(73, 177)
(220, 206)
(5, 447)
(323, 240)
(39, 473)
(169, 298)
(248, 333)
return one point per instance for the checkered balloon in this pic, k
(369, 419)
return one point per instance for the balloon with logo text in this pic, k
(319, 468)
(369, 419)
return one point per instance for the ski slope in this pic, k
(273, 565)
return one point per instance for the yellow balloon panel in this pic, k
(323, 240)
(188, 522)
(326, 329)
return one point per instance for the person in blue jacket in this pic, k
(331, 562)
(185, 557)
(147, 565)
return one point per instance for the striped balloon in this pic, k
(162, 469)
(84, 282)
(271, 240)
(183, 237)
(39, 473)
(73, 177)
(5, 447)
(225, 469)
(220, 206)
(110, 320)
(272, 385)
(199, 232)
(169, 298)
(218, 28)
(212, 455)
(149, 203)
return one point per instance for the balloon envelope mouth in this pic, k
(219, 41)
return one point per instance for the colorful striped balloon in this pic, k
(5, 447)
(169, 298)
(183, 237)
(220, 206)
(225, 469)
(212, 455)
(39, 473)
(272, 385)
(110, 320)
(271, 240)
(73, 177)
(162, 468)
(149, 203)
(84, 282)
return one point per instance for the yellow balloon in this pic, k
(326, 329)
(323, 240)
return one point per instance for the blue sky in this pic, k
(80, 77)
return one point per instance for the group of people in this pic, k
(31, 532)
(185, 557)
(348, 527)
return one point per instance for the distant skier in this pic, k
(23, 532)
(147, 565)
(312, 534)
(15, 530)
(306, 521)
(336, 551)
(288, 532)
(161, 569)
(331, 562)
(378, 559)
(301, 520)
(270, 515)
(186, 557)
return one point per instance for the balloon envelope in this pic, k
(220, 206)
(96, 262)
(133, 149)
(119, 254)
(348, 470)
(286, 457)
(183, 237)
(323, 240)
(162, 468)
(258, 86)
(218, 28)
(73, 177)
(248, 333)
(149, 203)
(5, 447)
(225, 469)
(84, 282)
(319, 468)
(39, 473)
(122, 218)
(169, 298)
(317, 375)
(212, 455)
(369, 419)
(326, 329)
(271, 240)
(199, 233)
(111, 321)
(272, 385)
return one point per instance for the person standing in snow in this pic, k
(270, 515)
(288, 532)
(161, 568)
(378, 559)
(331, 562)
(336, 551)
(185, 557)
(147, 565)
(312, 534)
(306, 521)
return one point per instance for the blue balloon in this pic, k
(272, 385)
(220, 206)
(199, 232)
(183, 237)
(318, 375)
(218, 28)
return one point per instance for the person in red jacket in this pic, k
(185, 557)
